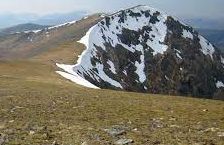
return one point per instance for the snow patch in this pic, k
(187, 34)
(77, 79)
(111, 32)
(159, 30)
(61, 25)
(73, 76)
(84, 62)
(178, 55)
(140, 69)
(102, 75)
(30, 31)
(166, 78)
(29, 38)
(36, 31)
(86, 17)
(85, 39)
(222, 60)
(112, 68)
(178, 51)
(102, 15)
(219, 84)
(206, 47)
(125, 72)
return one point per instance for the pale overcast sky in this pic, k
(180, 8)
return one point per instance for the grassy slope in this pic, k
(40, 107)
(34, 98)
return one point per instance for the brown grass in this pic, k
(40, 107)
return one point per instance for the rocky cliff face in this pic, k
(144, 50)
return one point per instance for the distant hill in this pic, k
(9, 20)
(33, 43)
(56, 19)
(206, 23)
(215, 36)
(21, 28)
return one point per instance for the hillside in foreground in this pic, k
(40, 107)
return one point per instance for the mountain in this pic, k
(144, 50)
(21, 28)
(39, 107)
(139, 49)
(10, 20)
(215, 36)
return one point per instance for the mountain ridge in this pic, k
(30, 44)
(21, 28)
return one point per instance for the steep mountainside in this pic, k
(142, 49)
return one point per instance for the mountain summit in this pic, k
(145, 50)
